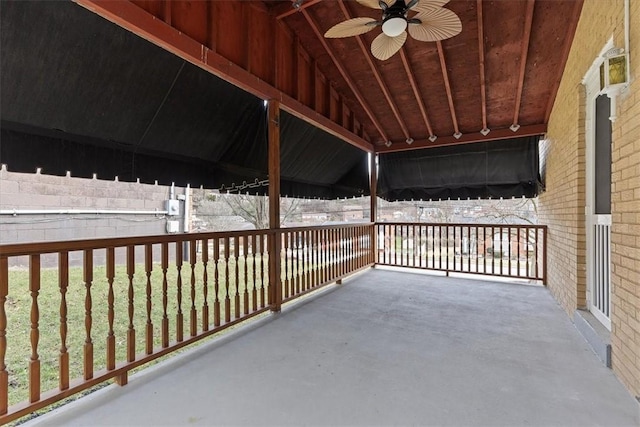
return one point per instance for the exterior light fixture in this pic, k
(514, 127)
(485, 131)
(614, 76)
(409, 141)
(433, 138)
(613, 70)
(388, 143)
(457, 135)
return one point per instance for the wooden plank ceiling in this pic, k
(497, 79)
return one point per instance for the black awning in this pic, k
(317, 164)
(507, 168)
(81, 94)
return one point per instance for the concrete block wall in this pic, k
(45, 192)
(562, 207)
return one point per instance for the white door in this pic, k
(598, 198)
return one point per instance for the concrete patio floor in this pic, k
(384, 348)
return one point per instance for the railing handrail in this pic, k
(463, 224)
(32, 248)
(21, 249)
(327, 227)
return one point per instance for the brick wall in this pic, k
(562, 207)
(36, 191)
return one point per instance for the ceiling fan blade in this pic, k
(351, 27)
(427, 5)
(375, 4)
(384, 47)
(436, 24)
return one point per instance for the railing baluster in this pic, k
(342, 244)
(165, 286)
(518, 250)
(263, 239)
(299, 276)
(193, 313)
(526, 252)
(227, 300)
(179, 315)
(148, 268)
(4, 375)
(484, 250)
(455, 266)
(216, 282)
(63, 283)
(34, 334)
(330, 248)
(88, 342)
(334, 254)
(131, 331)
(509, 250)
(314, 259)
(111, 338)
(205, 284)
(305, 259)
(307, 242)
(468, 249)
(254, 292)
(500, 251)
(476, 247)
(286, 263)
(245, 249)
(325, 269)
(317, 253)
(236, 258)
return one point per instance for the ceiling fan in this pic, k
(431, 23)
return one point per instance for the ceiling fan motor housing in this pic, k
(394, 19)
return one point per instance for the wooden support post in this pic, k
(373, 185)
(275, 285)
(4, 374)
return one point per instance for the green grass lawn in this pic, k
(18, 308)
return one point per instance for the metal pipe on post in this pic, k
(273, 125)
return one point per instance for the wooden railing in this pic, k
(75, 314)
(320, 255)
(78, 313)
(517, 251)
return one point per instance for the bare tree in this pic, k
(520, 210)
(255, 209)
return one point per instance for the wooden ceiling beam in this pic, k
(416, 91)
(356, 92)
(289, 9)
(469, 138)
(135, 19)
(568, 41)
(483, 81)
(376, 74)
(447, 86)
(524, 51)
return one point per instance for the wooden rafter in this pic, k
(345, 76)
(376, 74)
(524, 51)
(288, 9)
(483, 91)
(468, 138)
(447, 86)
(416, 92)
